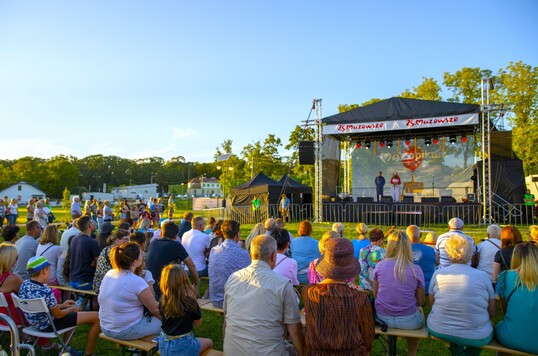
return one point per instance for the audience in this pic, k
(104, 263)
(48, 248)
(313, 276)
(284, 266)
(519, 300)
(361, 241)
(270, 226)
(10, 233)
(216, 235)
(84, 252)
(167, 250)
(304, 250)
(399, 288)
(339, 319)
(533, 233)
(9, 282)
(487, 250)
(260, 306)
(27, 247)
(338, 228)
(462, 301)
(64, 315)
(431, 239)
(185, 224)
(196, 243)
(123, 296)
(423, 255)
(179, 310)
(258, 229)
(224, 260)
(455, 226)
(510, 236)
(369, 257)
(71, 231)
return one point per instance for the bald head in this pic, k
(262, 248)
(413, 232)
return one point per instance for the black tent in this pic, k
(402, 116)
(297, 192)
(266, 189)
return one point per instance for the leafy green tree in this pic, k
(427, 90)
(57, 173)
(466, 84)
(264, 157)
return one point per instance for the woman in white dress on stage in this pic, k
(395, 188)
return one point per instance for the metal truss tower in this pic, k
(318, 193)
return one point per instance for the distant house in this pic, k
(133, 192)
(202, 186)
(22, 191)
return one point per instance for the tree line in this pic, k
(516, 85)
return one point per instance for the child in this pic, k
(65, 315)
(179, 311)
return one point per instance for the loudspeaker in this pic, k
(430, 199)
(306, 152)
(501, 145)
(365, 200)
(408, 199)
(386, 199)
(447, 199)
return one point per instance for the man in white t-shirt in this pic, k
(455, 226)
(487, 250)
(196, 244)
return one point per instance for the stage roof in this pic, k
(398, 117)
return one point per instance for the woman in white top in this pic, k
(123, 296)
(48, 248)
(41, 214)
(13, 211)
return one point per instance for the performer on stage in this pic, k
(395, 189)
(379, 184)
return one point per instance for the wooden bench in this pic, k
(393, 334)
(210, 307)
(71, 290)
(147, 346)
(494, 345)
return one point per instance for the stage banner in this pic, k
(407, 124)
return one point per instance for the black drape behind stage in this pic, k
(507, 180)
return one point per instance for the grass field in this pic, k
(212, 322)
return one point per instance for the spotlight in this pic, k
(452, 140)
(435, 141)
(367, 144)
(389, 143)
(427, 141)
(358, 145)
(382, 144)
(463, 138)
(407, 142)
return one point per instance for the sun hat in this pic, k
(338, 261)
(36, 264)
(455, 223)
(106, 228)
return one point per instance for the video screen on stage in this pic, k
(426, 169)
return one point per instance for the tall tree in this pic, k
(427, 90)
(465, 84)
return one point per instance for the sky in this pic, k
(139, 79)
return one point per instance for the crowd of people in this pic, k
(147, 283)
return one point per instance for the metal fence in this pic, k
(400, 215)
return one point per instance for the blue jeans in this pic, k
(144, 327)
(408, 322)
(12, 219)
(187, 345)
(303, 278)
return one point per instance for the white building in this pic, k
(133, 192)
(22, 191)
(206, 187)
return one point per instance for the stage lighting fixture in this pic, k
(358, 145)
(367, 144)
(389, 143)
(452, 140)
(382, 144)
(463, 138)
(407, 142)
(435, 141)
(427, 141)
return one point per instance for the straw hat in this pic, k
(338, 261)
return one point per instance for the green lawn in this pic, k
(212, 322)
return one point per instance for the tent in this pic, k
(269, 191)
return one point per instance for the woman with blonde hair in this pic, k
(462, 301)
(179, 311)
(518, 292)
(313, 275)
(399, 288)
(258, 229)
(430, 239)
(533, 233)
(48, 248)
(304, 249)
(361, 241)
(9, 282)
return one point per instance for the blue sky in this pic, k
(166, 78)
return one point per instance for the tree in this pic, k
(55, 173)
(66, 203)
(304, 173)
(264, 157)
(466, 84)
(427, 90)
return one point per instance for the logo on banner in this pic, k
(412, 158)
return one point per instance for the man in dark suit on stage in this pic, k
(379, 184)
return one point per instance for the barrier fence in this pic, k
(398, 214)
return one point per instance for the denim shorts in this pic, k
(187, 345)
(144, 327)
(408, 322)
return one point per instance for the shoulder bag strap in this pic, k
(41, 254)
(2, 283)
(281, 261)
